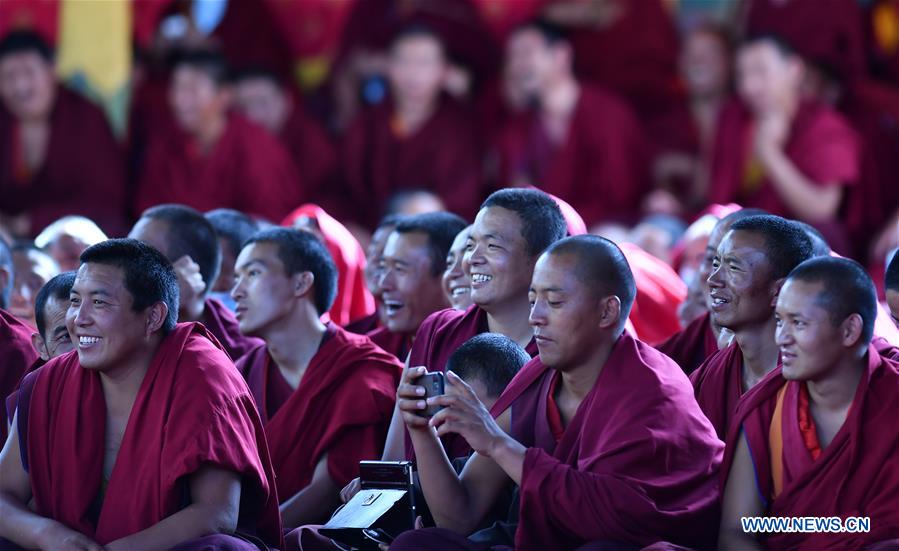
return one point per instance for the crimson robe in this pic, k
(192, 410)
(821, 144)
(83, 171)
(313, 152)
(856, 474)
(364, 326)
(637, 464)
(16, 355)
(353, 301)
(247, 170)
(223, 325)
(342, 407)
(442, 157)
(718, 384)
(690, 347)
(601, 168)
(397, 344)
(660, 290)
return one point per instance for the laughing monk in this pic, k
(817, 438)
(601, 432)
(146, 438)
(325, 395)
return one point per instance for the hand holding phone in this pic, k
(434, 385)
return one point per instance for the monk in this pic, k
(690, 347)
(232, 228)
(789, 156)
(412, 277)
(58, 154)
(374, 254)
(595, 402)
(749, 268)
(189, 241)
(456, 283)
(891, 281)
(264, 99)
(111, 463)
(815, 438)
(510, 232)
(33, 268)
(418, 139)
(214, 158)
(325, 395)
(581, 144)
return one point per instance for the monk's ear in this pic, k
(156, 316)
(302, 283)
(851, 330)
(37, 341)
(775, 290)
(610, 309)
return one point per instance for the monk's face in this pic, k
(417, 69)
(497, 259)
(263, 292)
(27, 84)
(767, 79)
(264, 102)
(531, 62)
(32, 270)
(456, 284)
(741, 287)
(810, 344)
(704, 64)
(893, 303)
(374, 255)
(410, 290)
(197, 101)
(565, 313)
(101, 319)
(56, 340)
(705, 266)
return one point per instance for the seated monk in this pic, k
(232, 228)
(891, 283)
(374, 254)
(456, 283)
(155, 442)
(411, 281)
(817, 438)
(749, 267)
(211, 158)
(584, 430)
(58, 155)
(512, 229)
(33, 268)
(325, 395)
(189, 241)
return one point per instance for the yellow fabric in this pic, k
(886, 27)
(776, 445)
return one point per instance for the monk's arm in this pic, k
(314, 503)
(395, 445)
(810, 202)
(214, 509)
(19, 524)
(740, 498)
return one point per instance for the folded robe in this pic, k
(192, 409)
(342, 407)
(16, 356)
(221, 322)
(638, 462)
(857, 474)
(397, 344)
(691, 346)
(718, 384)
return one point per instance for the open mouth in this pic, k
(480, 279)
(86, 341)
(461, 290)
(393, 306)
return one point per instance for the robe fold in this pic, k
(718, 384)
(638, 463)
(397, 344)
(691, 347)
(221, 322)
(16, 356)
(247, 170)
(855, 475)
(342, 408)
(83, 171)
(364, 326)
(601, 167)
(353, 301)
(192, 410)
(660, 290)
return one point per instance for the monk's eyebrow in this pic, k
(250, 262)
(59, 331)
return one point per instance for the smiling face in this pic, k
(107, 331)
(409, 289)
(741, 288)
(56, 340)
(263, 292)
(810, 344)
(456, 283)
(497, 258)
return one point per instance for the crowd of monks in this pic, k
(654, 269)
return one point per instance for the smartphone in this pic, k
(435, 385)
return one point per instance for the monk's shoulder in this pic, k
(440, 324)
(817, 121)
(15, 339)
(717, 365)
(204, 369)
(352, 350)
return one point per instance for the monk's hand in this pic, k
(57, 536)
(410, 398)
(350, 490)
(771, 133)
(465, 415)
(190, 280)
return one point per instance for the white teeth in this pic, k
(392, 305)
(88, 340)
(719, 301)
(480, 278)
(458, 291)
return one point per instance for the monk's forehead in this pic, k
(95, 277)
(406, 244)
(562, 272)
(801, 297)
(263, 252)
(498, 222)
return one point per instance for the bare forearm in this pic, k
(509, 455)
(395, 445)
(311, 505)
(444, 492)
(810, 202)
(20, 525)
(194, 521)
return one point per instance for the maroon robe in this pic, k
(601, 168)
(442, 157)
(247, 170)
(718, 384)
(192, 409)
(342, 407)
(637, 464)
(690, 347)
(83, 171)
(397, 344)
(16, 356)
(438, 336)
(364, 326)
(821, 144)
(856, 474)
(223, 325)
(313, 152)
